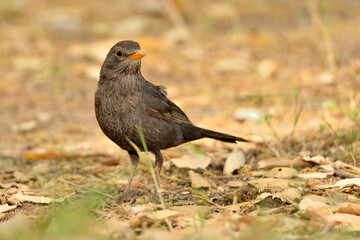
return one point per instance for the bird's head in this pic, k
(123, 57)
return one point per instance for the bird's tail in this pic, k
(220, 136)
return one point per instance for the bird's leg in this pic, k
(134, 157)
(158, 166)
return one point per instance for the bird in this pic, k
(125, 100)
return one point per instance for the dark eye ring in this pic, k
(119, 53)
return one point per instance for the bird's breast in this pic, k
(117, 114)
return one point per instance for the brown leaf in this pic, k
(349, 220)
(274, 162)
(273, 184)
(312, 214)
(287, 196)
(192, 161)
(299, 162)
(313, 202)
(351, 208)
(163, 214)
(14, 184)
(348, 182)
(283, 162)
(197, 181)
(140, 208)
(6, 207)
(322, 186)
(281, 172)
(318, 159)
(347, 167)
(313, 175)
(315, 207)
(34, 199)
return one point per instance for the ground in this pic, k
(283, 74)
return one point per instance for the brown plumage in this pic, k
(125, 100)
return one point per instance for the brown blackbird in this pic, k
(124, 100)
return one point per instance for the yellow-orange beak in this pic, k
(139, 54)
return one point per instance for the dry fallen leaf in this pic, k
(315, 207)
(350, 208)
(163, 214)
(313, 175)
(269, 183)
(140, 208)
(273, 162)
(234, 161)
(283, 162)
(6, 207)
(274, 184)
(328, 168)
(263, 196)
(347, 167)
(192, 161)
(313, 202)
(197, 181)
(313, 214)
(34, 199)
(287, 196)
(322, 186)
(281, 172)
(348, 220)
(318, 159)
(14, 184)
(348, 182)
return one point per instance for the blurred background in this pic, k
(244, 67)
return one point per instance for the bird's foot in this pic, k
(122, 197)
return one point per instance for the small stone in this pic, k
(248, 114)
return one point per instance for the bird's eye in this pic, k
(119, 53)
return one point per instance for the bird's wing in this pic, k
(159, 106)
